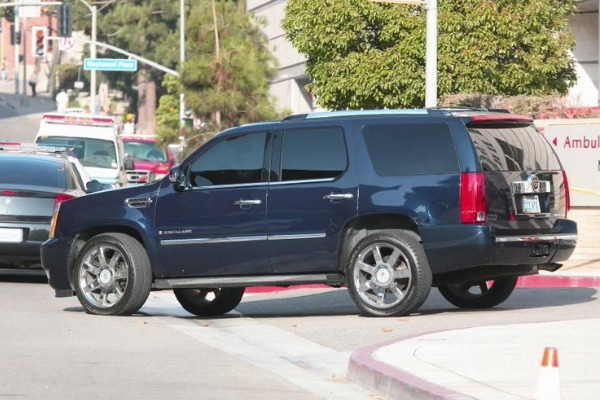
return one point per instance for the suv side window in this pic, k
(411, 149)
(313, 153)
(233, 161)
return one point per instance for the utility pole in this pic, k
(431, 55)
(17, 33)
(181, 59)
(430, 46)
(24, 101)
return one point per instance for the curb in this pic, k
(524, 282)
(368, 372)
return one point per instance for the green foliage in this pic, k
(233, 83)
(67, 76)
(362, 54)
(167, 113)
(149, 28)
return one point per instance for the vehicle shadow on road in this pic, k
(338, 302)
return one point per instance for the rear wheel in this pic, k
(484, 294)
(388, 274)
(209, 302)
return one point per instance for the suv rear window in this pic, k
(512, 147)
(411, 149)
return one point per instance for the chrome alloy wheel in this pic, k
(382, 275)
(103, 276)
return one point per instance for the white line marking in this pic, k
(318, 369)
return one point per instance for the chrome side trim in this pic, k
(539, 238)
(302, 181)
(292, 237)
(237, 185)
(173, 242)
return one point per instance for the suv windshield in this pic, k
(95, 153)
(144, 151)
(511, 147)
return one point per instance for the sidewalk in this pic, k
(492, 362)
(28, 105)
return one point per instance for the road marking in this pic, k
(318, 369)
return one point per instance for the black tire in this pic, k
(134, 283)
(195, 302)
(461, 295)
(365, 287)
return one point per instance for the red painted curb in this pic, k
(530, 281)
(395, 383)
(542, 281)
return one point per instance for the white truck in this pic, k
(94, 142)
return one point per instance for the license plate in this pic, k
(531, 204)
(11, 235)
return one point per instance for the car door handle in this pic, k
(245, 203)
(338, 196)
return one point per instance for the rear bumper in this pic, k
(27, 252)
(458, 247)
(55, 257)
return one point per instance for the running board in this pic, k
(244, 281)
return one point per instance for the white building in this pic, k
(290, 79)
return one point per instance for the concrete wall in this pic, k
(585, 28)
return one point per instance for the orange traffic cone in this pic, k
(548, 387)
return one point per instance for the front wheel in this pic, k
(112, 275)
(484, 294)
(388, 274)
(209, 302)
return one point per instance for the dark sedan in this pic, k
(32, 185)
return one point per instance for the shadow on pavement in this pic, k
(23, 276)
(338, 302)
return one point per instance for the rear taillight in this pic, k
(60, 197)
(567, 194)
(472, 198)
(8, 192)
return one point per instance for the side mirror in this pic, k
(106, 186)
(128, 164)
(177, 177)
(93, 186)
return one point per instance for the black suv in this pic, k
(387, 202)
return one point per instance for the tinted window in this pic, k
(314, 153)
(513, 148)
(235, 160)
(23, 170)
(411, 149)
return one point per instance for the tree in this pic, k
(372, 55)
(149, 28)
(227, 76)
(167, 114)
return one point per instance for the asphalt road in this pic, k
(292, 344)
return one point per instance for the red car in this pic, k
(150, 162)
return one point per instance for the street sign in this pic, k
(66, 43)
(110, 64)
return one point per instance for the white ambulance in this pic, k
(94, 142)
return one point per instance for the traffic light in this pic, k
(14, 39)
(40, 41)
(65, 20)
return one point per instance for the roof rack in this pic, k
(356, 113)
(36, 147)
(461, 108)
